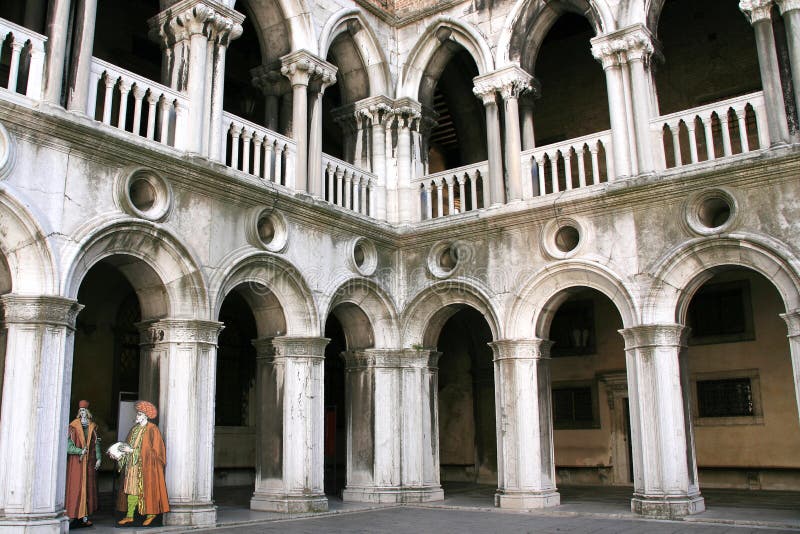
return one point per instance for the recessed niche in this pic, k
(267, 229)
(364, 256)
(144, 193)
(567, 238)
(714, 212)
(564, 237)
(443, 259)
(711, 211)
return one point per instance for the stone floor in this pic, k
(469, 508)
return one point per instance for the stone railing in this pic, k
(348, 186)
(567, 165)
(129, 102)
(25, 52)
(453, 191)
(713, 131)
(258, 151)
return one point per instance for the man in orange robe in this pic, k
(144, 488)
(83, 459)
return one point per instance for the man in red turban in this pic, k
(83, 459)
(144, 488)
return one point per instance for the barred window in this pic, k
(731, 397)
(574, 407)
(721, 313)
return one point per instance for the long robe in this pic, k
(81, 498)
(152, 460)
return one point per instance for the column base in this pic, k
(288, 504)
(526, 500)
(392, 494)
(34, 525)
(198, 514)
(667, 507)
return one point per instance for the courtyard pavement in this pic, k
(468, 508)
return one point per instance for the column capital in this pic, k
(390, 358)
(302, 66)
(282, 347)
(269, 80)
(521, 349)
(192, 17)
(632, 43)
(756, 10)
(655, 335)
(179, 331)
(788, 5)
(40, 309)
(792, 319)
(377, 108)
(509, 81)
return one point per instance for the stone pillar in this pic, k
(408, 118)
(379, 116)
(33, 427)
(526, 106)
(290, 425)
(790, 11)
(81, 61)
(607, 51)
(56, 28)
(273, 86)
(487, 92)
(514, 83)
(758, 13)
(180, 355)
(525, 462)
(664, 464)
(323, 78)
(640, 49)
(225, 30)
(792, 319)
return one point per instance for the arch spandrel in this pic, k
(163, 271)
(681, 271)
(426, 314)
(532, 308)
(375, 306)
(275, 290)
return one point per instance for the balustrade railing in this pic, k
(129, 102)
(712, 131)
(567, 165)
(258, 151)
(25, 52)
(348, 186)
(453, 191)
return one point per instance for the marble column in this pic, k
(290, 425)
(758, 13)
(37, 381)
(510, 92)
(664, 464)
(526, 107)
(379, 117)
(525, 461)
(792, 319)
(81, 61)
(608, 54)
(323, 78)
(225, 30)
(639, 52)
(180, 356)
(790, 11)
(57, 29)
(406, 201)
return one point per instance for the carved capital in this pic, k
(628, 44)
(756, 10)
(181, 21)
(788, 5)
(792, 319)
(303, 66)
(51, 310)
(269, 80)
(655, 335)
(179, 331)
(276, 349)
(521, 349)
(510, 82)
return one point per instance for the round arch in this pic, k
(366, 312)
(282, 20)
(31, 268)
(533, 309)
(166, 278)
(276, 292)
(437, 43)
(429, 310)
(372, 56)
(678, 275)
(528, 22)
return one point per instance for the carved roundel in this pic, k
(267, 229)
(446, 256)
(7, 152)
(712, 211)
(144, 193)
(563, 238)
(363, 256)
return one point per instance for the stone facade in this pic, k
(182, 204)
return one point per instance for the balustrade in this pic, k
(710, 132)
(348, 186)
(129, 102)
(453, 191)
(258, 151)
(25, 50)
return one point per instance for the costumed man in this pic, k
(144, 456)
(83, 460)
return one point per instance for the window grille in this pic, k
(731, 397)
(573, 408)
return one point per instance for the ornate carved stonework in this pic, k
(277, 348)
(179, 331)
(655, 335)
(302, 66)
(40, 310)
(521, 349)
(192, 17)
(628, 44)
(510, 82)
(787, 5)
(390, 358)
(756, 10)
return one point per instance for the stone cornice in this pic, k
(39, 310)
(302, 66)
(628, 44)
(756, 10)
(509, 81)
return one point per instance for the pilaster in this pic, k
(37, 382)
(665, 467)
(525, 457)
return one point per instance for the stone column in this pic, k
(225, 30)
(526, 106)
(81, 61)
(273, 85)
(37, 381)
(525, 462)
(608, 53)
(324, 77)
(407, 119)
(792, 319)
(180, 355)
(664, 464)
(56, 28)
(616, 384)
(514, 83)
(488, 95)
(290, 425)
(790, 11)
(379, 116)
(758, 13)
(640, 49)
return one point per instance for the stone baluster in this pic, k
(581, 167)
(152, 101)
(13, 72)
(138, 96)
(726, 133)
(356, 190)
(473, 189)
(690, 127)
(554, 172)
(567, 167)
(428, 201)
(676, 143)
(164, 108)
(124, 89)
(236, 132)
(709, 138)
(281, 174)
(339, 186)
(257, 154)
(437, 185)
(247, 136)
(108, 97)
(462, 201)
